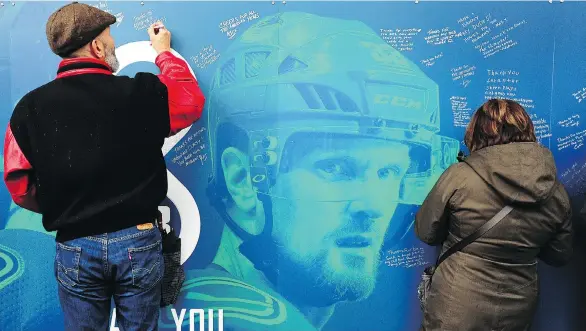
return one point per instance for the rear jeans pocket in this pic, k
(146, 265)
(67, 264)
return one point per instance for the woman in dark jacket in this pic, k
(492, 284)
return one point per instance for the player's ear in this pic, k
(237, 175)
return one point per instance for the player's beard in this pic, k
(312, 279)
(316, 283)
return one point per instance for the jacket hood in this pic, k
(521, 172)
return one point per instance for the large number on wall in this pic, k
(142, 51)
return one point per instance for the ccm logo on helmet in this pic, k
(393, 100)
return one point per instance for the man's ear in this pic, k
(97, 48)
(237, 175)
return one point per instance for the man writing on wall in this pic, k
(84, 150)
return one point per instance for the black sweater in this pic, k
(93, 143)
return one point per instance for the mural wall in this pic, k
(326, 125)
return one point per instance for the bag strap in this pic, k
(476, 234)
(159, 221)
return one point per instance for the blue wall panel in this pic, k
(358, 106)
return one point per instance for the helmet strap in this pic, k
(261, 249)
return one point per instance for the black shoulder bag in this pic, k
(425, 283)
(174, 275)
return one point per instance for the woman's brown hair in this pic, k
(498, 122)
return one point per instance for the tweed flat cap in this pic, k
(74, 25)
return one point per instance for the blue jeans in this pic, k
(126, 265)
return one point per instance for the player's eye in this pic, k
(335, 169)
(387, 172)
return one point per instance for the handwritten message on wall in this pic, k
(400, 39)
(571, 121)
(574, 140)
(580, 95)
(144, 20)
(504, 84)
(192, 149)
(229, 26)
(574, 178)
(542, 128)
(406, 258)
(442, 36)
(489, 35)
(461, 111)
(432, 60)
(206, 56)
(463, 74)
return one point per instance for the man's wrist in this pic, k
(159, 52)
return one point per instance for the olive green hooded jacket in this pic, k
(492, 284)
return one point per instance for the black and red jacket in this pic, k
(84, 150)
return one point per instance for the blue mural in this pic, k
(326, 124)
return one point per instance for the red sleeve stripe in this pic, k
(17, 174)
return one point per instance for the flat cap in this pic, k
(74, 25)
